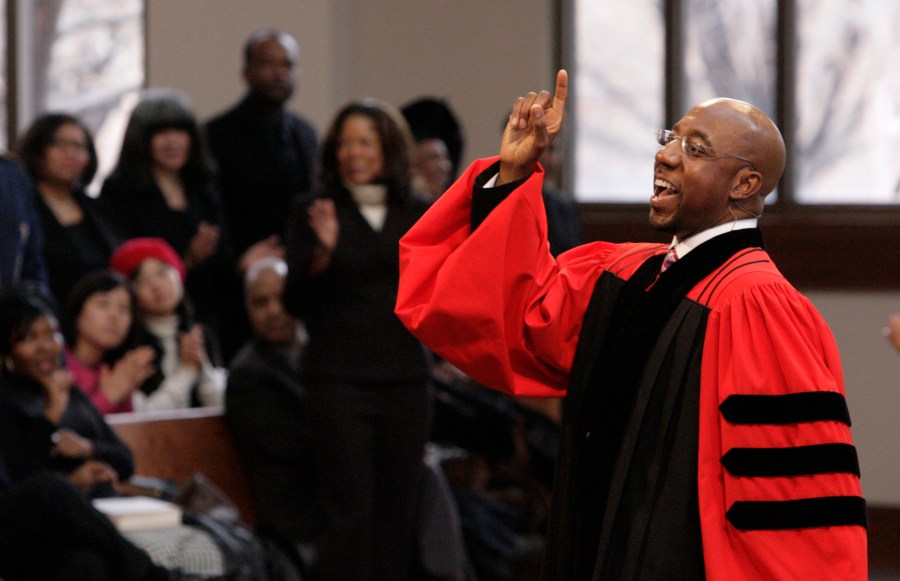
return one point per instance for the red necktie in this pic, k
(671, 257)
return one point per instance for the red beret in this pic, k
(128, 257)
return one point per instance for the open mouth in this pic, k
(45, 365)
(663, 188)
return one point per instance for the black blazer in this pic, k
(25, 434)
(70, 252)
(348, 309)
(263, 166)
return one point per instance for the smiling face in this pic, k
(66, 156)
(692, 194)
(360, 158)
(105, 319)
(170, 149)
(36, 355)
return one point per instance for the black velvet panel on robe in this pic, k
(625, 497)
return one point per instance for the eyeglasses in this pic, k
(695, 149)
(70, 145)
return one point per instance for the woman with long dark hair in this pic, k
(162, 187)
(100, 326)
(366, 376)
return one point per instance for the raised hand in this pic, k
(204, 244)
(323, 221)
(192, 348)
(127, 375)
(892, 331)
(534, 123)
(270, 247)
(56, 389)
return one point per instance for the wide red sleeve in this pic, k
(765, 339)
(494, 302)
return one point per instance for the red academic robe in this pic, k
(497, 305)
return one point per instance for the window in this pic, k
(847, 147)
(84, 57)
(617, 94)
(828, 72)
(843, 82)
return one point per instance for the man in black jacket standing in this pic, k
(265, 153)
(266, 160)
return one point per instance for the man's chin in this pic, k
(661, 223)
(279, 95)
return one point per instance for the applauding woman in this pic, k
(188, 365)
(365, 374)
(100, 328)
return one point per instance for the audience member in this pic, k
(50, 531)
(100, 328)
(21, 236)
(47, 427)
(44, 424)
(365, 376)
(439, 145)
(163, 187)
(188, 364)
(266, 411)
(266, 153)
(432, 168)
(58, 151)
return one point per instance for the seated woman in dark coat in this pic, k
(50, 433)
(58, 151)
(45, 425)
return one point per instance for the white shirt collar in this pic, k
(684, 246)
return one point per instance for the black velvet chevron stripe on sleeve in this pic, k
(794, 461)
(798, 514)
(809, 406)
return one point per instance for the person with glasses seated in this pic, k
(705, 432)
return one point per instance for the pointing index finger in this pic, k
(562, 87)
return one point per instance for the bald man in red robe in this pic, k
(705, 432)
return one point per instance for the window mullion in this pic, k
(786, 74)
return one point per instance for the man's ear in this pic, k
(747, 184)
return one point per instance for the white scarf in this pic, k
(371, 199)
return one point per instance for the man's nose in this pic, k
(284, 71)
(669, 154)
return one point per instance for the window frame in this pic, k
(816, 246)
